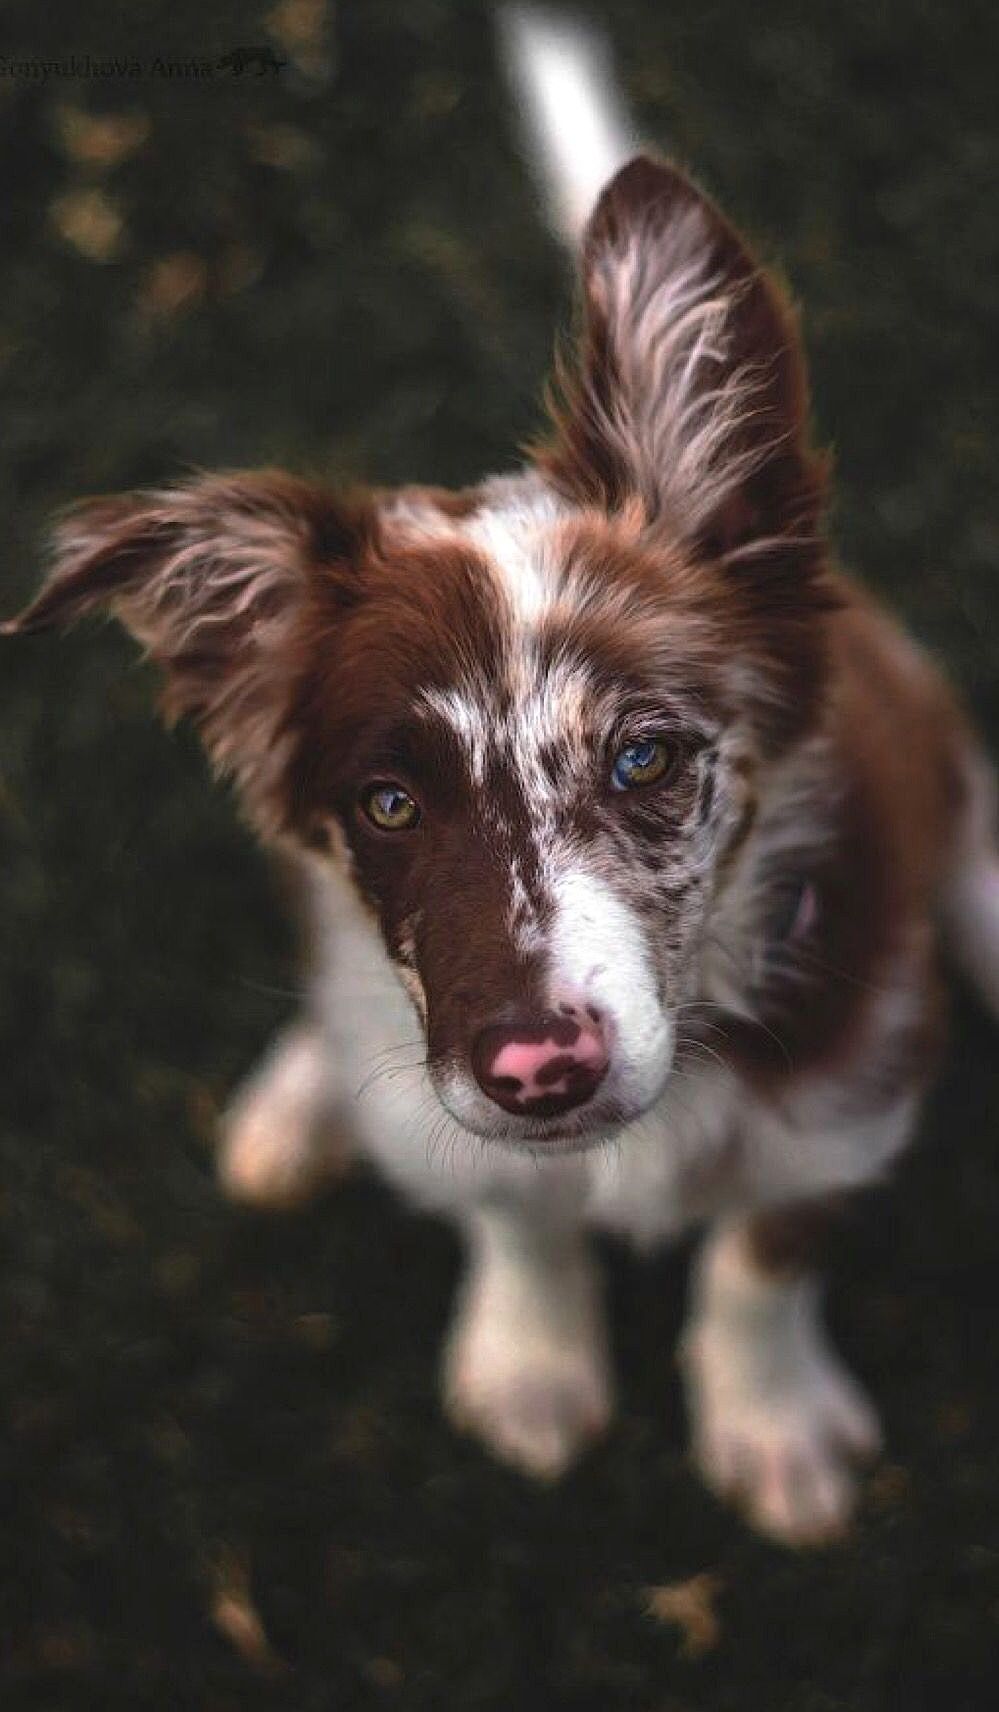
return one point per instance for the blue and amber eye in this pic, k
(390, 808)
(642, 763)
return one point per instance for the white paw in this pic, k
(277, 1140)
(779, 1436)
(535, 1390)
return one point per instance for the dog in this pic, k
(630, 828)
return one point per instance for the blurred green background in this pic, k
(210, 1420)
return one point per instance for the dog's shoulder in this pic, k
(901, 741)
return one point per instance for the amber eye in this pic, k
(641, 763)
(389, 807)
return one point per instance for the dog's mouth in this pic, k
(576, 1131)
(554, 1138)
(557, 1136)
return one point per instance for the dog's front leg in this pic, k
(776, 1418)
(283, 1134)
(526, 1365)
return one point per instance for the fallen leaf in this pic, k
(90, 222)
(689, 1607)
(384, 1673)
(99, 140)
(302, 28)
(173, 283)
(282, 146)
(318, 1331)
(237, 1618)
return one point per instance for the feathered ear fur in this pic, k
(690, 389)
(226, 581)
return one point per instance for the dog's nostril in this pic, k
(540, 1066)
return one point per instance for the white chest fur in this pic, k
(706, 1147)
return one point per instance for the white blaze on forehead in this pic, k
(515, 536)
(599, 955)
(521, 708)
(465, 712)
(506, 702)
(515, 548)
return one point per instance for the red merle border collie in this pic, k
(609, 788)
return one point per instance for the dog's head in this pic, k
(531, 718)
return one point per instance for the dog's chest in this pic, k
(667, 1169)
(678, 1164)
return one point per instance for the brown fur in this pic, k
(896, 737)
(299, 630)
(652, 200)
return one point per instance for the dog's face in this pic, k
(530, 719)
(525, 740)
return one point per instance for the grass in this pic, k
(205, 1415)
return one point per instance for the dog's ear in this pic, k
(690, 390)
(226, 581)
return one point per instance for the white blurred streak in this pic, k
(577, 130)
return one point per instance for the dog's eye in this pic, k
(642, 763)
(389, 807)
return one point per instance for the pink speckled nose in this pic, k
(540, 1066)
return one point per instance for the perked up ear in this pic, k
(219, 579)
(690, 391)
